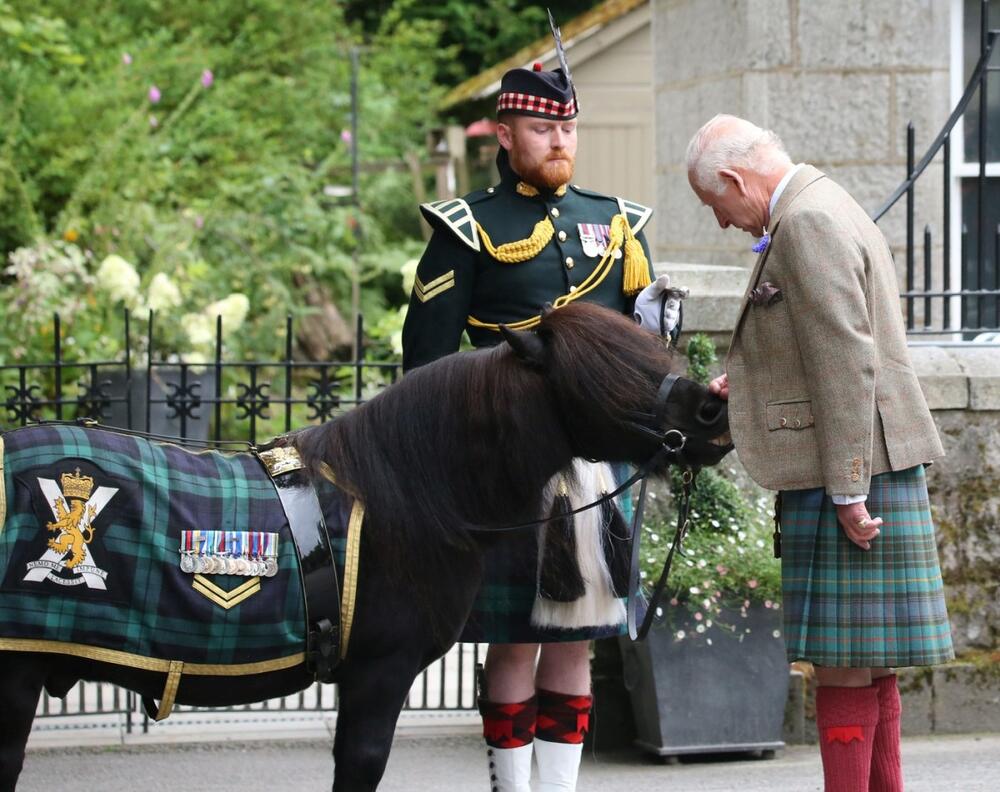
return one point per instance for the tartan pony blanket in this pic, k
(121, 548)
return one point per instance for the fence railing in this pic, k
(447, 685)
(205, 400)
(960, 304)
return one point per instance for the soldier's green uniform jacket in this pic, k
(460, 285)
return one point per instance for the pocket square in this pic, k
(767, 294)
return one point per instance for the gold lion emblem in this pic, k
(75, 523)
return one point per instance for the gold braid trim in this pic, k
(522, 249)
(620, 233)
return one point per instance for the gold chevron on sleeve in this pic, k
(431, 289)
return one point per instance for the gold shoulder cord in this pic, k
(636, 271)
(522, 249)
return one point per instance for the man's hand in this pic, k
(860, 527)
(720, 387)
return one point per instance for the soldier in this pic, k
(498, 256)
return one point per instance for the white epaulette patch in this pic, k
(457, 216)
(636, 214)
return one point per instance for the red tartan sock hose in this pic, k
(563, 717)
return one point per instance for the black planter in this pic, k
(689, 696)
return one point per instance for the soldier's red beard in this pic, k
(549, 174)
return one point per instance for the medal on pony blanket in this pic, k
(245, 553)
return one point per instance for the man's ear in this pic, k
(733, 176)
(505, 136)
(526, 345)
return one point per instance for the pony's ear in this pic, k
(526, 345)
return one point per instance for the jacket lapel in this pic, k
(805, 176)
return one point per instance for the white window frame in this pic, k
(960, 169)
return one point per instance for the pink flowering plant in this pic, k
(728, 563)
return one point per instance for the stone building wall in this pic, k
(837, 80)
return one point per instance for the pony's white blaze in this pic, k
(598, 607)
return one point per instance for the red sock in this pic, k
(846, 718)
(508, 725)
(887, 770)
(563, 717)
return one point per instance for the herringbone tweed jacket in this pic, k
(822, 389)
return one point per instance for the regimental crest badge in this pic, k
(594, 238)
(75, 505)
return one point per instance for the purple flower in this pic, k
(207, 78)
(154, 94)
(762, 243)
(345, 135)
(126, 59)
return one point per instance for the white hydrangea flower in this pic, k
(408, 271)
(233, 310)
(118, 278)
(199, 328)
(163, 293)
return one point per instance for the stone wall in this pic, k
(837, 80)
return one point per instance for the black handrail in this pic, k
(970, 89)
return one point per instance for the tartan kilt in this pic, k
(501, 612)
(847, 607)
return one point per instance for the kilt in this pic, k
(503, 607)
(847, 607)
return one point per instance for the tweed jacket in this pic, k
(822, 392)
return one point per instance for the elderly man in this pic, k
(825, 407)
(498, 256)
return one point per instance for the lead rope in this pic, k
(683, 513)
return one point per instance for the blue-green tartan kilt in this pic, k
(847, 607)
(502, 610)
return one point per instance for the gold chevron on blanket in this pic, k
(221, 597)
(431, 289)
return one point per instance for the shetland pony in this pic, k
(462, 444)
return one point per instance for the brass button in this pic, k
(855, 477)
(856, 461)
(783, 421)
(569, 262)
(562, 236)
(572, 289)
(555, 211)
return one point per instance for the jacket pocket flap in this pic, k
(789, 415)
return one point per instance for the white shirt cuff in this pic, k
(844, 500)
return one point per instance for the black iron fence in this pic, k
(207, 400)
(943, 301)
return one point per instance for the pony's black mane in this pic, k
(473, 437)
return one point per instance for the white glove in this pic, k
(659, 299)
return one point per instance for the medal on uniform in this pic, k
(594, 238)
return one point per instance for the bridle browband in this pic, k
(670, 451)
